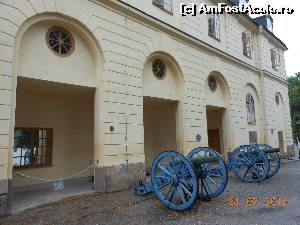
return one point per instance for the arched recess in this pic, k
(63, 94)
(253, 123)
(279, 122)
(34, 59)
(163, 106)
(218, 112)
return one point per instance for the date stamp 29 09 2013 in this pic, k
(276, 201)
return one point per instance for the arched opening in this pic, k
(252, 113)
(56, 71)
(217, 112)
(162, 109)
(279, 123)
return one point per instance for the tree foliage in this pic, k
(294, 95)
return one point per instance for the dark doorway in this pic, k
(214, 116)
(214, 139)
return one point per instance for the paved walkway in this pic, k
(126, 208)
(29, 199)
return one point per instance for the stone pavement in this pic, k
(126, 208)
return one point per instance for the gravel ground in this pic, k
(126, 208)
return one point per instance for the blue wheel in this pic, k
(211, 172)
(274, 159)
(174, 181)
(250, 164)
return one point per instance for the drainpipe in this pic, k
(263, 93)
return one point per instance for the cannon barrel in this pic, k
(272, 150)
(204, 159)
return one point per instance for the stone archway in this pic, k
(162, 105)
(217, 112)
(57, 84)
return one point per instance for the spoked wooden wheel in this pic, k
(211, 172)
(250, 164)
(273, 157)
(174, 181)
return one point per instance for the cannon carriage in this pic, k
(178, 180)
(254, 163)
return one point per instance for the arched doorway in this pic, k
(56, 74)
(162, 106)
(217, 112)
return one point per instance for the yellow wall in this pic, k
(79, 67)
(231, 30)
(113, 49)
(167, 88)
(69, 111)
(278, 115)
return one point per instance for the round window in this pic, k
(159, 69)
(277, 99)
(60, 41)
(212, 83)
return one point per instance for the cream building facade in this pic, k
(90, 95)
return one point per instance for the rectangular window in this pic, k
(275, 58)
(247, 44)
(164, 4)
(252, 137)
(32, 147)
(214, 26)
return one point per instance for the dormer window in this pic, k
(247, 44)
(275, 58)
(164, 4)
(214, 26)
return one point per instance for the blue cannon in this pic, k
(254, 163)
(178, 180)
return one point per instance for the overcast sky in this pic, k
(287, 28)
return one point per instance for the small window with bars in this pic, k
(275, 58)
(214, 26)
(32, 147)
(247, 44)
(252, 137)
(164, 4)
